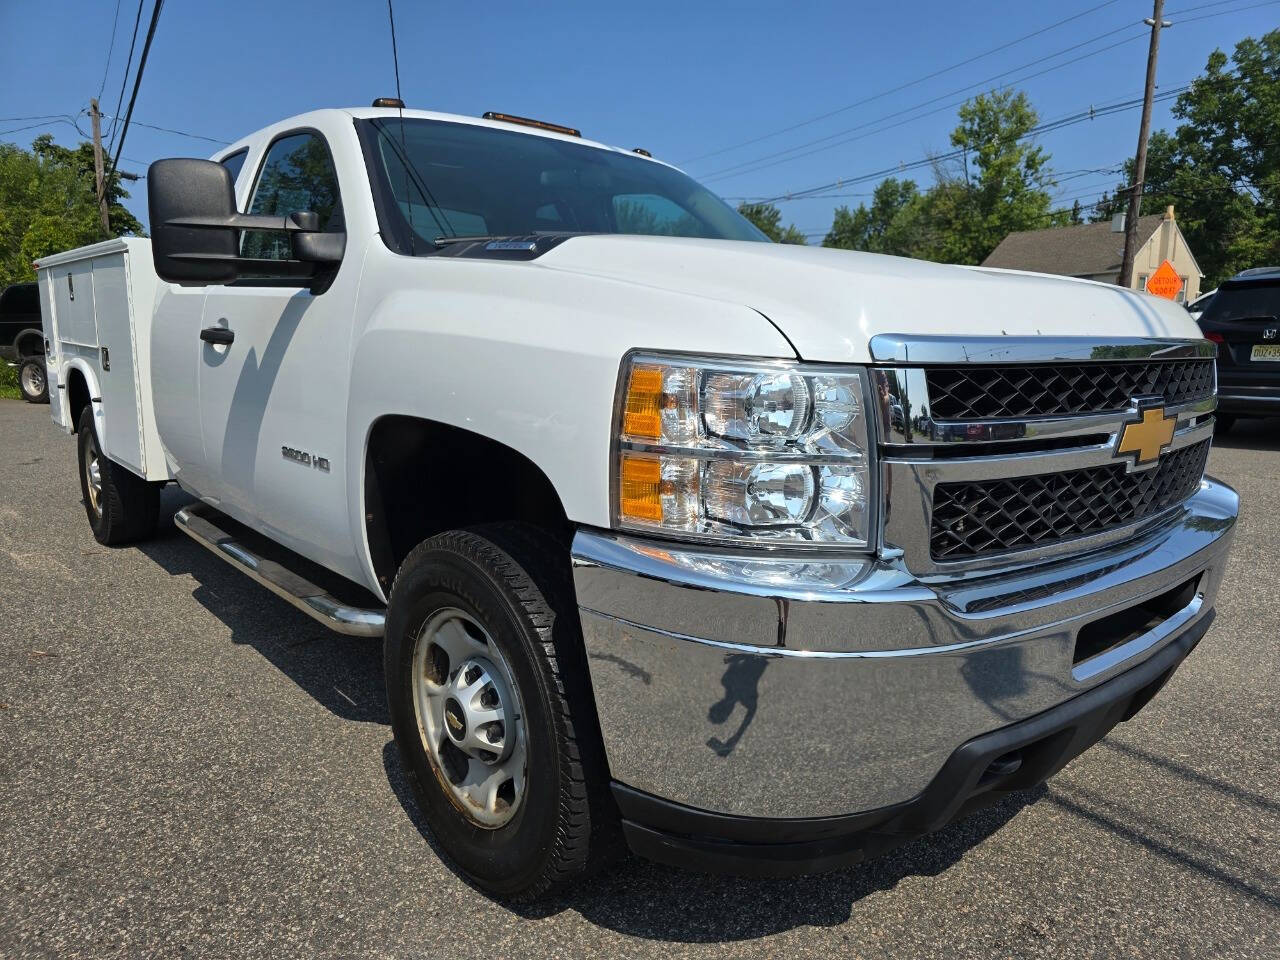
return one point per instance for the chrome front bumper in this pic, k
(784, 688)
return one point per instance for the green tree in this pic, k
(48, 204)
(1220, 169)
(999, 184)
(768, 219)
(893, 224)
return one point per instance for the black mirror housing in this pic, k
(195, 231)
(191, 188)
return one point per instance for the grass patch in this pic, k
(9, 382)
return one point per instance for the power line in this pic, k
(799, 151)
(43, 116)
(36, 126)
(1223, 13)
(1205, 6)
(1045, 127)
(972, 59)
(904, 86)
(49, 119)
(137, 80)
(128, 64)
(181, 133)
(110, 49)
(759, 162)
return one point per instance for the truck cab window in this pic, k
(297, 175)
(235, 163)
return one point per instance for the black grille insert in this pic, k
(1129, 624)
(974, 519)
(979, 392)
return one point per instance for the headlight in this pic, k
(766, 451)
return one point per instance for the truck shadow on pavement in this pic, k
(342, 674)
(644, 899)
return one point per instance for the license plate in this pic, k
(1265, 351)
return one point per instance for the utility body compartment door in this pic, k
(117, 376)
(73, 300)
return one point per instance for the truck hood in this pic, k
(830, 303)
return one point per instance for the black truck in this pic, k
(22, 339)
(1243, 318)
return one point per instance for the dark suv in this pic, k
(22, 339)
(21, 333)
(1243, 318)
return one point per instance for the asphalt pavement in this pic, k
(190, 767)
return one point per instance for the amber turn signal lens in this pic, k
(640, 488)
(642, 416)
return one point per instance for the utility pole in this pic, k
(98, 176)
(1156, 23)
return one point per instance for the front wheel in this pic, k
(1222, 423)
(491, 708)
(121, 506)
(33, 380)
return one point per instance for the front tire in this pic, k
(492, 712)
(33, 380)
(121, 506)
(1222, 423)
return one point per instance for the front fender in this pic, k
(523, 355)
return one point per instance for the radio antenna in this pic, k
(404, 150)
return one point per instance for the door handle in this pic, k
(218, 335)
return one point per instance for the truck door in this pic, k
(273, 383)
(176, 355)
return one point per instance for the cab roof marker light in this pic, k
(526, 122)
(393, 102)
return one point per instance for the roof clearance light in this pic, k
(526, 122)
(389, 102)
(642, 151)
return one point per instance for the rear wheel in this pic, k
(121, 506)
(33, 380)
(491, 709)
(1222, 423)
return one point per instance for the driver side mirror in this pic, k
(195, 230)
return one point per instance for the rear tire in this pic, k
(33, 380)
(120, 505)
(504, 595)
(1222, 423)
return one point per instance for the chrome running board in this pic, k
(312, 600)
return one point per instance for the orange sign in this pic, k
(1165, 282)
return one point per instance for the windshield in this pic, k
(461, 180)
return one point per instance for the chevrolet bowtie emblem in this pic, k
(1147, 437)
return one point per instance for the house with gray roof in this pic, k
(1093, 251)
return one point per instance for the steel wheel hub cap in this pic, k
(469, 717)
(34, 380)
(93, 474)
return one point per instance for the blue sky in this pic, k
(683, 80)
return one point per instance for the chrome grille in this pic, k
(980, 518)
(982, 392)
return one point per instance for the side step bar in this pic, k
(195, 522)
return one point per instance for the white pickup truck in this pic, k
(762, 558)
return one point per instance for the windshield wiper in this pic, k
(445, 241)
(508, 238)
